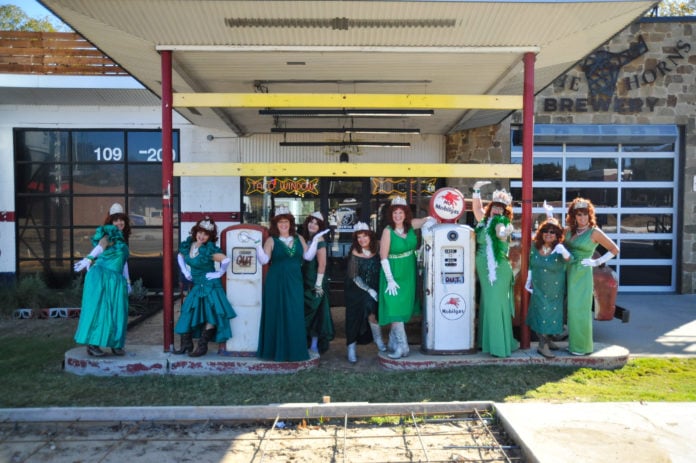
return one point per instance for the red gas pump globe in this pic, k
(447, 205)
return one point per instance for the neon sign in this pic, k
(275, 185)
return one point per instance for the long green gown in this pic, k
(359, 303)
(402, 262)
(317, 310)
(580, 292)
(545, 315)
(496, 304)
(282, 334)
(104, 313)
(207, 301)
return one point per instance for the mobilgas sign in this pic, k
(603, 77)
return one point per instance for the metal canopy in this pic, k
(346, 47)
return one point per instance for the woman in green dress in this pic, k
(581, 238)
(318, 322)
(397, 282)
(360, 291)
(205, 312)
(546, 282)
(104, 314)
(282, 332)
(496, 303)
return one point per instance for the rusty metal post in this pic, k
(527, 184)
(167, 212)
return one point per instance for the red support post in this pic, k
(167, 210)
(527, 183)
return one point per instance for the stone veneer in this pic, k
(656, 86)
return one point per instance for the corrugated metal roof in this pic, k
(240, 44)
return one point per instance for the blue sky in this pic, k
(33, 9)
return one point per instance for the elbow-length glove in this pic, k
(560, 249)
(360, 283)
(528, 283)
(392, 286)
(182, 266)
(87, 261)
(126, 275)
(477, 188)
(312, 249)
(597, 262)
(261, 255)
(549, 210)
(318, 288)
(223, 269)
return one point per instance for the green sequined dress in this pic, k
(545, 315)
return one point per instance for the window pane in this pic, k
(147, 146)
(642, 169)
(553, 196)
(591, 169)
(145, 179)
(600, 197)
(42, 178)
(646, 223)
(99, 147)
(99, 178)
(646, 249)
(647, 197)
(44, 243)
(591, 148)
(93, 210)
(644, 275)
(145, 242)
(607, 222)
(664, 148)
(42, 146)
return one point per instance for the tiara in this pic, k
(116, 208)
(206, 224)
(280, 210)
(399, 201)
(317, 215)
(551, 221)
(502, 197)
(582, 204)
(360, 226)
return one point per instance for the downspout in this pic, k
(527, 183)
(167, 212)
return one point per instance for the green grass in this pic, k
(32, 376)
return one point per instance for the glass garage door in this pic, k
(630, 172)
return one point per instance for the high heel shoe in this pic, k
(94, 351)
(118, 351)
(186, 344)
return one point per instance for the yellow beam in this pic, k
(332, 100)
(300, 169)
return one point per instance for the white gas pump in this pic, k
(449, 282)
(244, 287)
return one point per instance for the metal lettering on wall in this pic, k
(243, 260)
(387, 186)
(601, 71)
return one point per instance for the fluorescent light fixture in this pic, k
(346, 112)
(366, 144)
(346, 130)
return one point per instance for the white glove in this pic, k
(427, 227)
(126, 275)
(503, 231)
(372, 293)
(261, 255)
(560, 249)
(549, 210)
(528, 284)
(87, 261)
(223, 269)
(312, 249)
(477, 188)
(392, 286)
(597, 262)
(318, 289)
(182, 266)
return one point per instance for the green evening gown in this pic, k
(402, 261)
(580, 292)
(545, 315)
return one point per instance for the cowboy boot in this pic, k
(543, 347)
(377, 336)
(202, 348)
(352, 356)
(400, 342)
(186, 344)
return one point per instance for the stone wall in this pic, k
(648, 77)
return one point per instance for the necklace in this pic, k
(580, 231)
(194, 251)
(545, 250)
(289, 245)
(366, 252)
(399, 231)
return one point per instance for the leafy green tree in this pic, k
(675, 8)
(13, 18)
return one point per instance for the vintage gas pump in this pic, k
(449, 283)
(244, 286)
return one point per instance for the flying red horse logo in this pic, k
(451, 198)
(453, 301)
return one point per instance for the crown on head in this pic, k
(360, 226)
(502, 197)
(551, 221)
(280, 210)
(207, 224)
(116, 208)
(582, 204)
(317, 215)
(399, 201)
